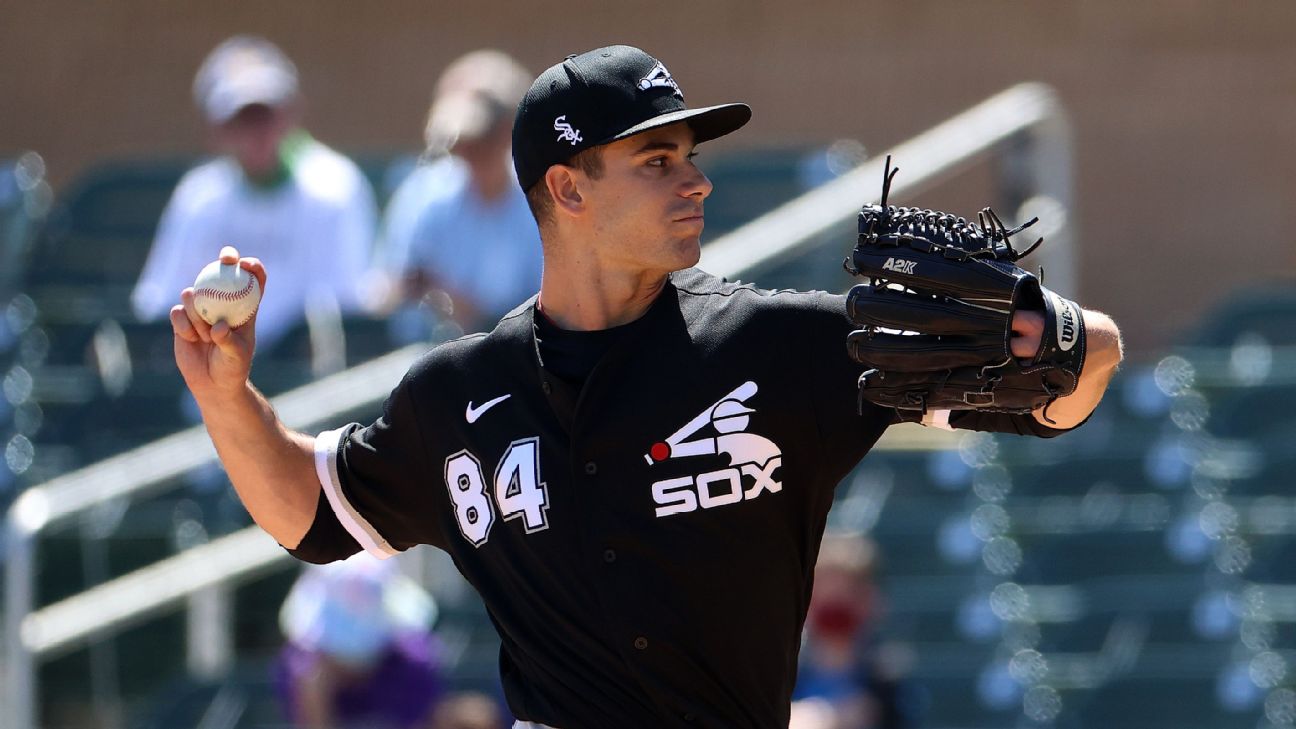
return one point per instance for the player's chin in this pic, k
(688, 251)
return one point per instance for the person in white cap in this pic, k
(459, 223)
(273, 188)
(360, 650)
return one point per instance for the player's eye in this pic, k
(657, 162)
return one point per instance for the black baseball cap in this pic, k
(601, 96)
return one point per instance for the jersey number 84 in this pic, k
(518, 490)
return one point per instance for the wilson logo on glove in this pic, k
(1067, 319)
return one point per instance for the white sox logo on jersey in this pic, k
(660, 77)
(568, 133)
(752, 458)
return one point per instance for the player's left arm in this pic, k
(1102, 356)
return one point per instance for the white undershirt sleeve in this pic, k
(326, 450)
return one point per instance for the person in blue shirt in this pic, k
(458, 228)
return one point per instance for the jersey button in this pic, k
(548, 388)
(690, 716)
(641, 643)
(609, 556)
(591, 468)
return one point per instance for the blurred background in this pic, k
(1136, 573)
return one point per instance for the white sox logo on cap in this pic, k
(568, 133)
(750, 455)
(613, 92)
(660, 77)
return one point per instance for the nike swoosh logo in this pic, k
(472, 413)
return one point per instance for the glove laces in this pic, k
(989, 237)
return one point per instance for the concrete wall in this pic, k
(1183, 111)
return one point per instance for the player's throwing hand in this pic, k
(215, 359)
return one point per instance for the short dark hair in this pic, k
(589, 161)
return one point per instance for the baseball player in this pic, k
(634, 467)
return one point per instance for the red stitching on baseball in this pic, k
(228, 295)
(231, 296)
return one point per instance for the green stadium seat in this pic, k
(1061, 559)
(366, 338)
(1254, 413)
(245, 699)
(90, 252)
(1273, 558)
(1158, 694)
(1080, 475)
(82, 411)
(1273, 475)
(1268, 310)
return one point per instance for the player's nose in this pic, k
(697, 185)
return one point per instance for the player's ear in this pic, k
(565, 189)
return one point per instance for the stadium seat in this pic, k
(948, 681)
(1081, 475)
(1254, 412)
(25, 199)
(245, 699)
(367, 337)
(104, 399)
(1273, 558)
(1176, 686)
(1267, 310)
(1094, 555)
(86, 260)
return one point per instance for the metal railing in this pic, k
(1029, 109)
(1024, 120)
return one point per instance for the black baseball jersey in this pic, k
(644, 542)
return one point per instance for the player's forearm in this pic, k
(272, 467)
(1103, 354)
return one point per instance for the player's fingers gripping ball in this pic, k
(226, 292)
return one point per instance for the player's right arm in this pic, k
(272, 467)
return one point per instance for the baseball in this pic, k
(226, 292)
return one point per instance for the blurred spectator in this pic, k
(360, 651)
(468, 711)
(275, 193)
(460, 224)
(846, 679)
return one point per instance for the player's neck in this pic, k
(582, 295)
